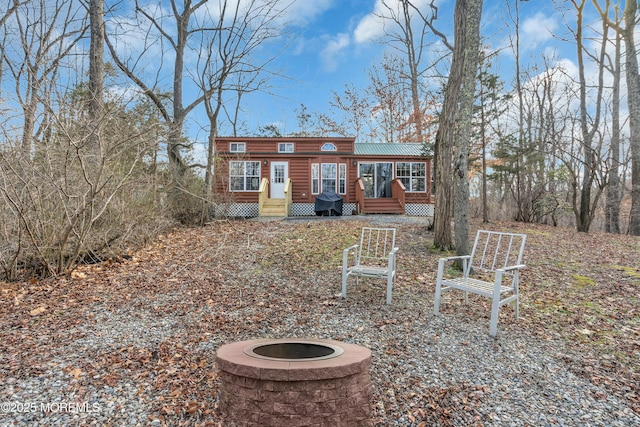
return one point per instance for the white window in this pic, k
(328, 146)
(315, 178)
(412, 175)
(244, 176)
(342, 178)
(237, 147)
(328, 177)
(285, 147)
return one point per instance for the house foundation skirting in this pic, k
(250, 210)
(422, 209)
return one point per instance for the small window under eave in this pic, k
(237, 147)
(285, 147)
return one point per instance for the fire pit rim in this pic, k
(337, 350)
(334, 391)
(232, 358)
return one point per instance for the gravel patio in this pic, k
(132, 342)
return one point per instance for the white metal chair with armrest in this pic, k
(374, 257)
(494, 253)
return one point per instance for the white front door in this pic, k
(279, 175)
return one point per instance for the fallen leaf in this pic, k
(78, 274)
(37, 311)
(77, 373)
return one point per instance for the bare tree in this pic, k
(73, 201)
(613, 190)
(389, 101)
(231, 66)
(471, 43)
(491, 105)
(409, 39)
(522, 202)
(627, 33)
(355, 107)
(68, 194)
(96, 61)
(45, 35)
(172, 109)
(382, 111)
(630, 16)
(11, 8)
(589, 123)
(454, 129)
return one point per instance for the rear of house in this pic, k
(276, 176)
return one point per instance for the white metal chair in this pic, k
(374, 257)
(494, 253)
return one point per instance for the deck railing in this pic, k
(359, 195)
(263, 194)
(398, 191)
(288, 196)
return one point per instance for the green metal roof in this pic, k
(388, 149)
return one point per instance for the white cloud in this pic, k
(368, 29)
(303, 12)
(333, 51)
(538, 28)
(372, 25)
(288, 12)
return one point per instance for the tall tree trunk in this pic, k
(466, 26)
(612, 209)
(633, 87)
(213, 110)
(582, 219)
(413, 59)
(483, 149)
(443, 149)
(463, 127)
(519, 216)
(96, 90)
(590, 112)
(178, 195)
(96, 61)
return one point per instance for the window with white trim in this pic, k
(315, 178)
(342, 178)
(328, 177)
(237, 147)
(413, 175)
(244, 176)
(285, 147)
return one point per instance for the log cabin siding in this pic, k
(300, 174)
(307, 151)
(269, 146)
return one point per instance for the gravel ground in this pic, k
(115, 361)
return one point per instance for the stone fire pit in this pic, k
(295, 382)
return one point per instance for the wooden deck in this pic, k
(274, 208)
(382, 206)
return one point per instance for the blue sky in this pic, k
(328, 44)
(337, 41)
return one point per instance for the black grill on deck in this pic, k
(328, 203)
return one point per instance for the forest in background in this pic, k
(89, 170)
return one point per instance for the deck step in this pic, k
(273, 208)
(382, 206)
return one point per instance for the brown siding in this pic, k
(300, 174)
(270, 145)
(307, 151)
